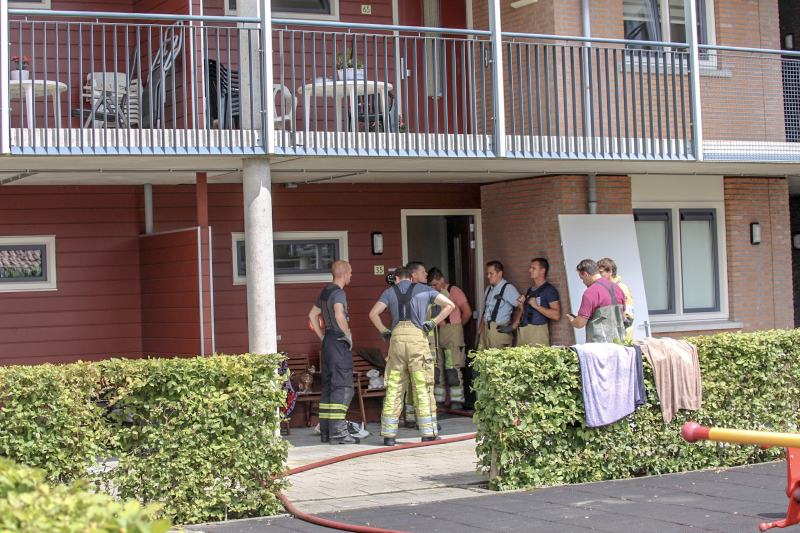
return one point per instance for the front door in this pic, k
(449, 243)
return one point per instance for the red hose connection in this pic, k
(352, 527)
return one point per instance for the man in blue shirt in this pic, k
(409, 352)
(495, 329)
(539, 305)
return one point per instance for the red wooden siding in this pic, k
(358, 208)
(96, 311)
(170, 298)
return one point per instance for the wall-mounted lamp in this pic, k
(377, 243)
(788, 41)
(755, 233)
(796, 241)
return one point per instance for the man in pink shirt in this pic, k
(450, 356)
(602, 306)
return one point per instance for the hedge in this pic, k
(27, 504)
(201, 436)
(531, 417)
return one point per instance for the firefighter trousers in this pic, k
(450, 362)
(409, 361)
(337, 386)
(410, 404)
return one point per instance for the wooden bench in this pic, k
(298, 362)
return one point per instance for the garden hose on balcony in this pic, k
(352, 527)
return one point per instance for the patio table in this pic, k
(350, 88)
(29, 89)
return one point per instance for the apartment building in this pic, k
(150, 206)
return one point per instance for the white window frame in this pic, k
(49, 242)
(675, 208)
(334, 14)
(344, 254)
(44, 4)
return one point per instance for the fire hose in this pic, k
(351, 527)
(692, 432)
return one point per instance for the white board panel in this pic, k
(595, 237)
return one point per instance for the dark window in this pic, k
(654, 235)
(313, 256)
(23, 263)
(302, 6)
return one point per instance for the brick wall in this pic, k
(759, 277)
(520, 221)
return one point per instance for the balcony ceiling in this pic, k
(174, 170)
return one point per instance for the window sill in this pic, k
(694, 325)
(708, 68)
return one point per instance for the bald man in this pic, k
(337, 356)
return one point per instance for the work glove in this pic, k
(428, 326)
(348, 339)
(386, 334)
(505, 329)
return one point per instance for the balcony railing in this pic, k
(130, 84)
(105, 83)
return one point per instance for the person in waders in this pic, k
(337, 357)
(409, 352)
(602, 309)
(450, 356)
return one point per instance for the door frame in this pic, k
(405, 213)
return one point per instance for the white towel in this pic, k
(608, 372)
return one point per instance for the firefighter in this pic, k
(419, 274)
(450, 355)
(409, 352)
(337, 356)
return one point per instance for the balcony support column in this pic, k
(257, 115)
(5, 112)
(498, 92)
(260, 257)
(690, 9)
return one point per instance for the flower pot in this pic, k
(20, 74)
(352, 74)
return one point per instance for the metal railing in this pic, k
(388, 90)
(575, 99)
(111, 85)
(750, 104)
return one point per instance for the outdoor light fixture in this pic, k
(755, 233)
(796, 241)
(788, 41)
(377, 243)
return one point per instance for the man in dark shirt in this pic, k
(337, 356)
(539, 305)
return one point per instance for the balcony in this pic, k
(103, 83)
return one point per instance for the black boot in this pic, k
(411, 425)
(325, 437)
(389, 441)
(347, 440)
(429, 439)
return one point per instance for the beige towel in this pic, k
(676, 368)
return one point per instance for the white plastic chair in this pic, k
(287, 106)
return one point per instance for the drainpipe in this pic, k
(148, 208)
(588, 114)
(592, 193)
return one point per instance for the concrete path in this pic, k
(436, 489)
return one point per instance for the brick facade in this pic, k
(520, 222)
(759, 277)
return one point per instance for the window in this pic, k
(665, 20)
(679, 251)
(27, 263)
(300, 256)
(29, 4)
(296, 9)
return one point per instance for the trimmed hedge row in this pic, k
(27, 504)
(200, 436)
(531, 415)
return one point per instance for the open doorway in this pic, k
(449, 239)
